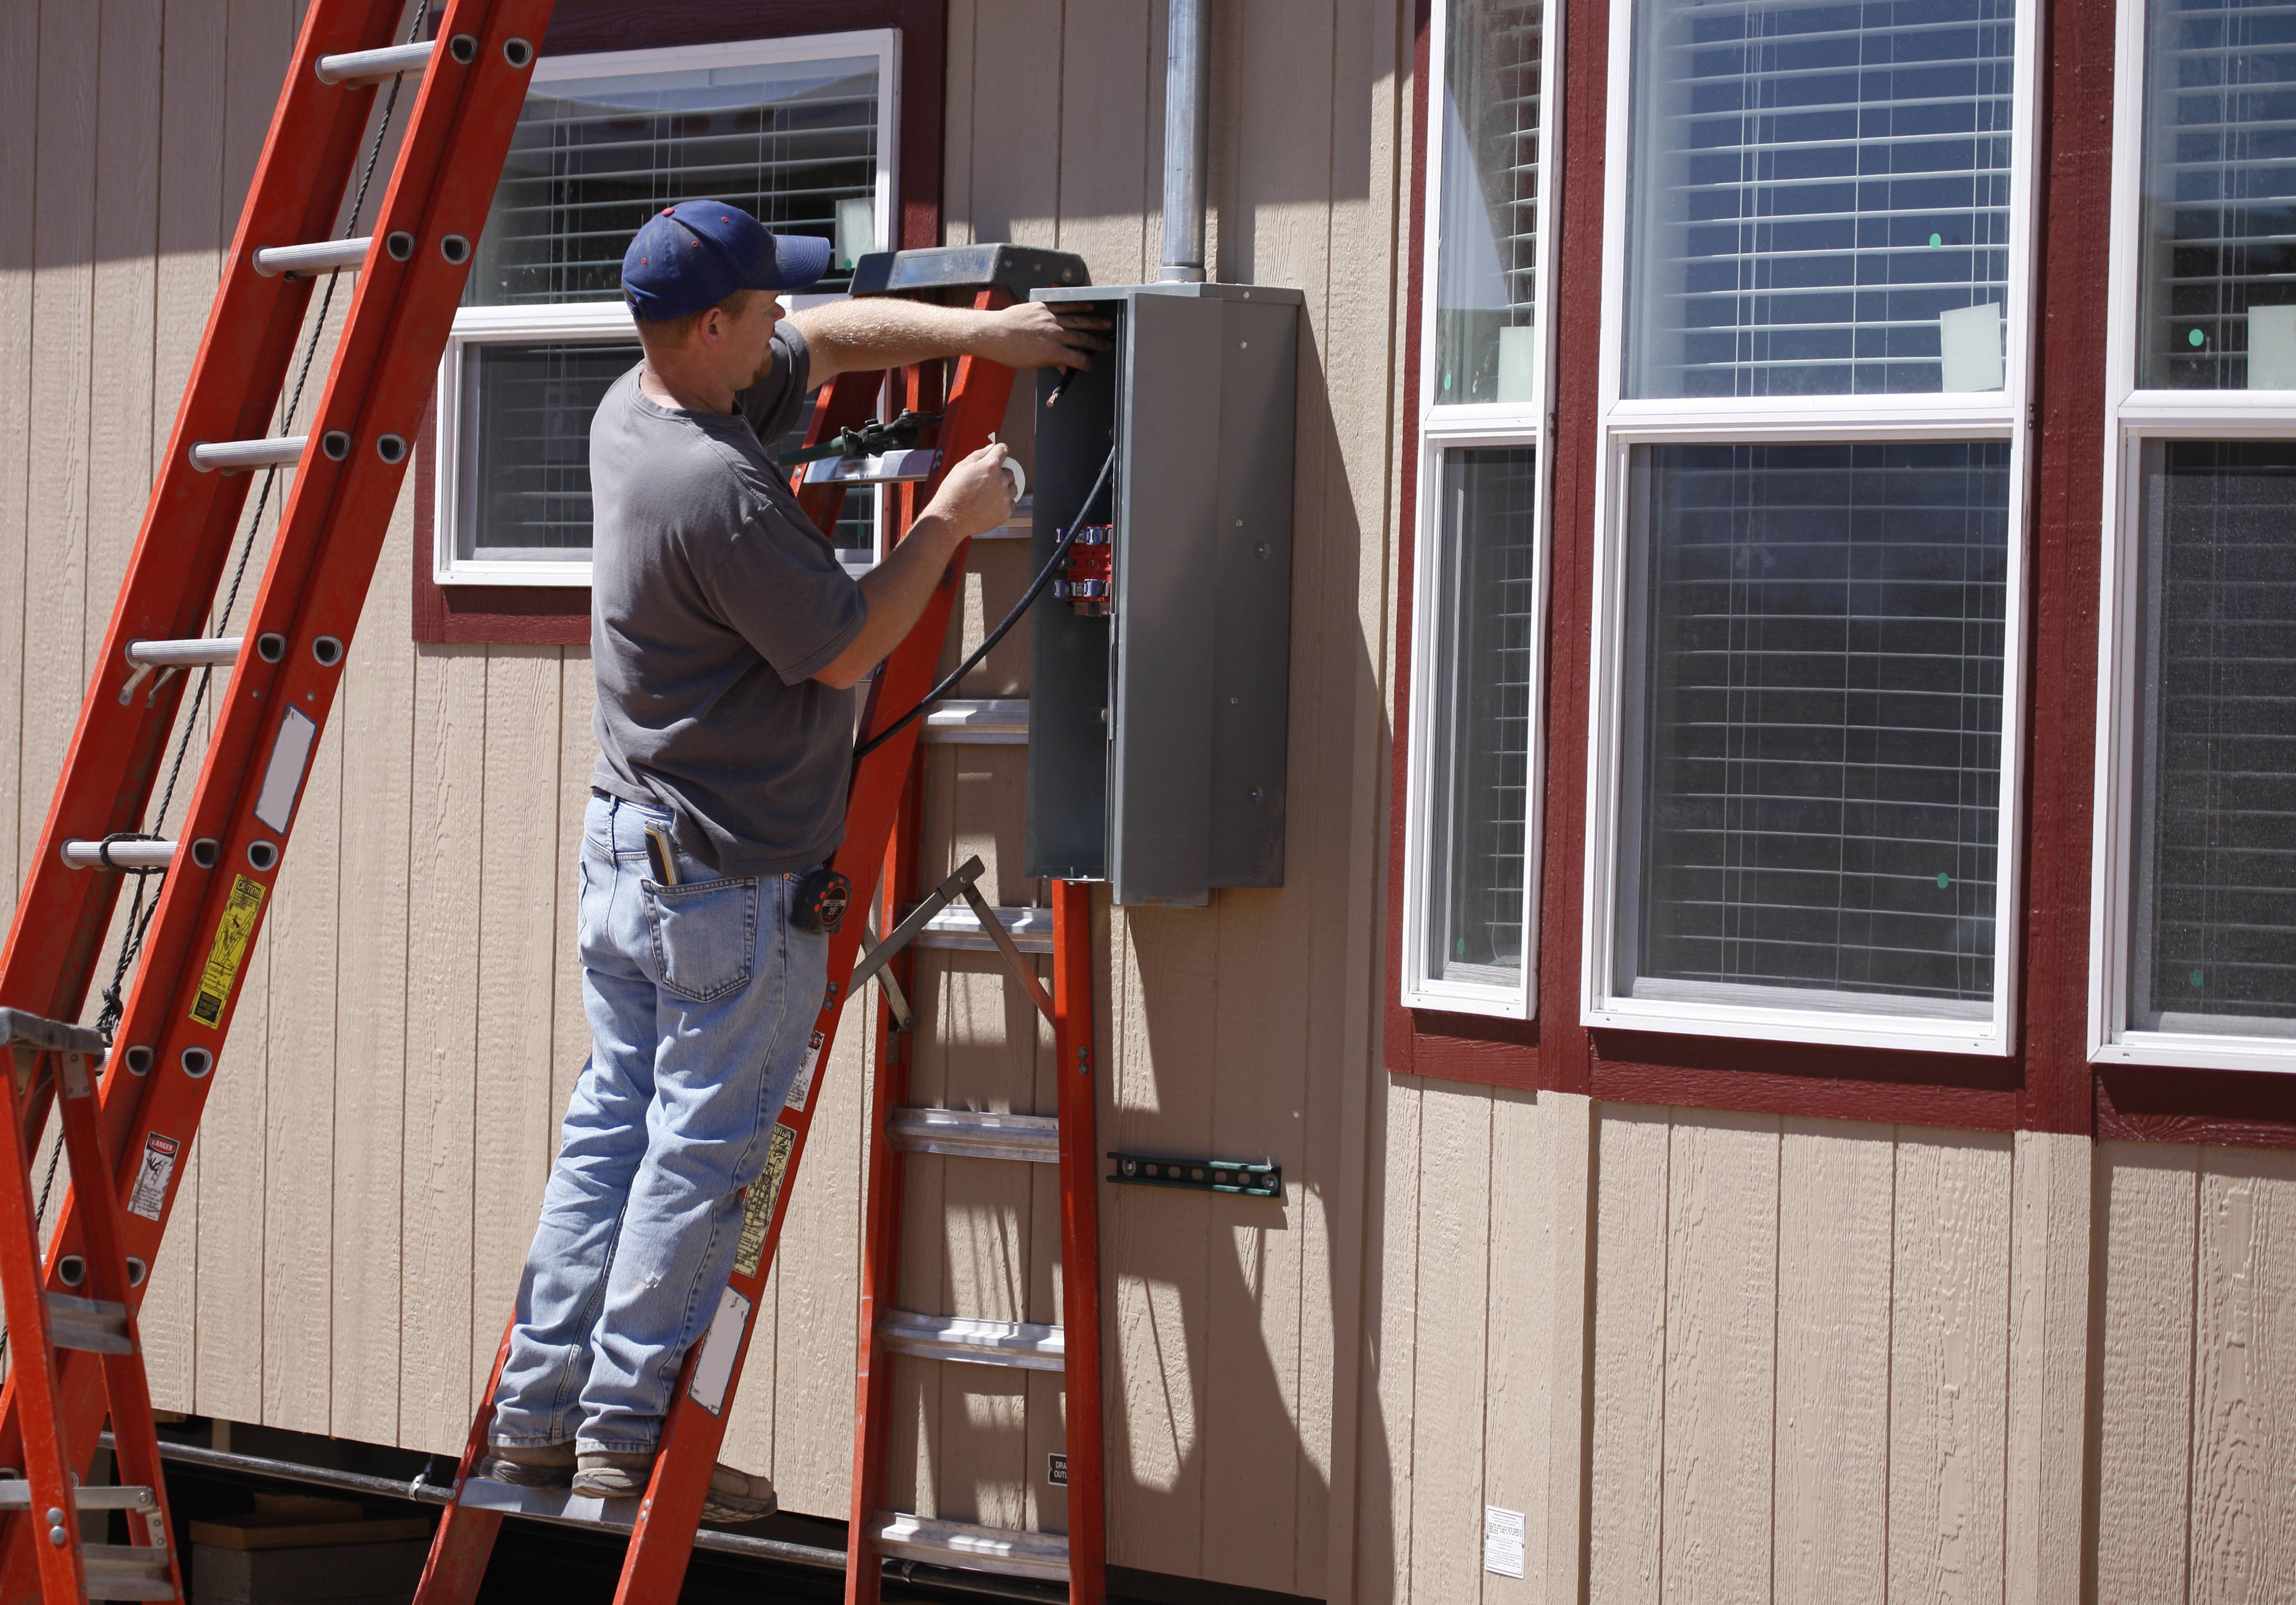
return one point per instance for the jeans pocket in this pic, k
(705, 936)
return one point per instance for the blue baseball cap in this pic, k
(690, 257)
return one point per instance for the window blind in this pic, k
(592, 158)
(1815, 187)
(1487, 259)
(2215, 835)
(1478, 750)
(2219, 192)
(1815, 740)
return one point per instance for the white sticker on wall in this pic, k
(1969, 349)
(1503, 1532)
(283, 778)
(713, 1368)
(2272, 348)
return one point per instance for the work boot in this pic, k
(735, 1497)
(529, 1465)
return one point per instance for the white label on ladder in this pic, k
(150, 1195)
(802, 1089)
(713, 1368)
(291, 754)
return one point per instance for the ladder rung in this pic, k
(1030, 929)
(16, 1495)
(125, 854)
(22, 1030)
(997, 1549)
(314, 257)
(1024, 1344)
(906, 466)
(95, 1325)
(977, 1135)
(126, 1571)
(1000, 721)
(200, 650)
(366, 66)
(235, 456)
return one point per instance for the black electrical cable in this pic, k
(1036, 588)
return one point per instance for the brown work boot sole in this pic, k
(542, 1466)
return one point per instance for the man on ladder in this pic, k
(726, 639)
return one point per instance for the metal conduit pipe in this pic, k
(1187, 57)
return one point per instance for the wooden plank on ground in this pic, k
(1721, 1327)
(1830, 1517)
(1949, 1365)
(2148, 1197)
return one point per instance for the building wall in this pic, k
(1710, 1355)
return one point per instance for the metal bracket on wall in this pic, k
(1200, 1176)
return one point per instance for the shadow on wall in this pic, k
(1237, 1327)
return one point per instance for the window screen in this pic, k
(2215, 830)
(1477, 748)
(1487, 261)
(793, 144)
(1814, 745)
(1820, 196)
(2218, 296)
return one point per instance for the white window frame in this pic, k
(2133, 418)
(1459, 426)
(1625, 423)
(608, 321)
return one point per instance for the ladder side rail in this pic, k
(840, 405)
(882, 1203)
(320, 565)
(661, 1541)
(1077, 1070)
(188, 522)
(134, 1433)
(56, 1571)
(465, 1537)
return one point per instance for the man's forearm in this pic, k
(897, 591)
(883, 331)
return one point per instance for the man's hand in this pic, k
(1030, 334)
(976, 494)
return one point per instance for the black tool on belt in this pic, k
(821, 900)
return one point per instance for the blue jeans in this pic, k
(700, 1000)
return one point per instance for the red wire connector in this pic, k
(1089, 570)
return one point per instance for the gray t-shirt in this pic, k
(713, 602)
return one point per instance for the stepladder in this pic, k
(954, 407)
(61, 1062)
(464, 69)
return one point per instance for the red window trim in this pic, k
(2048, 1085)
(560, 615)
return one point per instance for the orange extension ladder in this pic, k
(880, 850)
(75, 1358)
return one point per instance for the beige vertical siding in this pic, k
(1707, 1357)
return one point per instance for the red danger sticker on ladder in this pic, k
(150, 1195)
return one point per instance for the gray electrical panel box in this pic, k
(1157, 727)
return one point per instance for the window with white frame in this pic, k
(1809, 528)
(2194, 942)
(799, 132)
(1471, 832)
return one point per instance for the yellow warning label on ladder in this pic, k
(758, 1203)
(234, 932)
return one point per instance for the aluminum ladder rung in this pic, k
(957, 927)
(1007, 1550)
(904, 465)
(95, 1325)
(1026, 1345)
(200, 652)
(977, 1135)
(317, 257)
(126, 1571)
(16, 1495)
(120, 855)
(998, 721)
(369, 66)
(237, 456)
